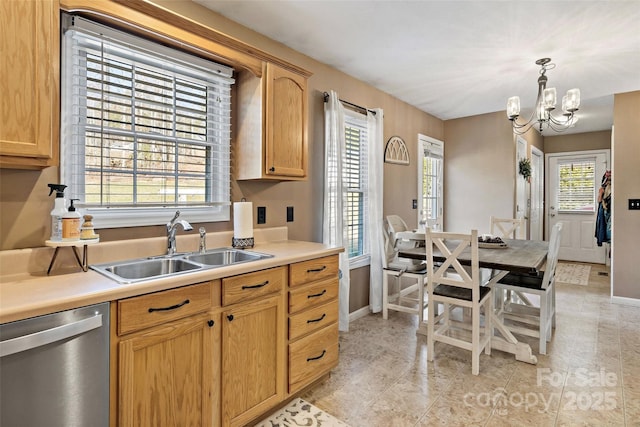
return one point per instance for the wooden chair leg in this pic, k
(544, 323)
(475, 339)
(385, 295)
(431, 315)
(420, 301)
(488, 325)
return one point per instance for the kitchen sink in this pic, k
(220, 257)
(143, 269)
(137, 270)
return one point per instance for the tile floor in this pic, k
(590, 376)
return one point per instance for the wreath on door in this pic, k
(524, 168)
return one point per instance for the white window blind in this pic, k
(431, 184)
(577, 190)
(355, 180)
(146, 128)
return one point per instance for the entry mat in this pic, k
(574, 274)
(301, 413)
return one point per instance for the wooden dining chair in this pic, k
(526, 319)
(451, 285)
(409, 279)
(508, 228)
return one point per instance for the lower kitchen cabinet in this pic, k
(313, 321)
(223, 352)
(166, 374)
(253, 359)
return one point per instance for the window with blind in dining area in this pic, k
(577, 190)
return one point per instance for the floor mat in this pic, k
(300, 413)
(574, 274)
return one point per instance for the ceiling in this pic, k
(455, 59)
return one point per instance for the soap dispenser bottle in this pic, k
(59, 209)
(71, 224)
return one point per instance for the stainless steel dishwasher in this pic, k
(54, 369)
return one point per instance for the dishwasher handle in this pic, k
(48, 336)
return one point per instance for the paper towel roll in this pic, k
(242, 220)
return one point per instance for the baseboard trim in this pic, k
(618, 300)
(361, 312)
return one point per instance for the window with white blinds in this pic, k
(430, 175)
(355, 181)
(577, 186)
(145, 128)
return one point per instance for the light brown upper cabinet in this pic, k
(271, 140)
(29, 83)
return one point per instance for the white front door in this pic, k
(574, 180)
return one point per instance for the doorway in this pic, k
(573, 181)
(536, 212)
(521, 183)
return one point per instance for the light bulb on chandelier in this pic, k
(545, 104)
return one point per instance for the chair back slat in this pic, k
(552, 257)
(508, 228)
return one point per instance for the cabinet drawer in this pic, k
(310, 296)
(252, 285)
(153, 309)
(312, 356)
(313, 319)
(312, 270)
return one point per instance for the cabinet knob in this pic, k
(272, 169)
(230, 317)
(210, 323)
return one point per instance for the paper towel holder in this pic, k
(244, 242)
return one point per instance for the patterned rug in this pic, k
(300, 413)
(574, 274)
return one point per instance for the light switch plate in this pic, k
(634, 204)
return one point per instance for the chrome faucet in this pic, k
(171, 232)
(202, 247)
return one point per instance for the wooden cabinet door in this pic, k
(166, 375)
(29, 83)
(253, 359)
(286, 123)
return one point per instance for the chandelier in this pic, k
(545, 104)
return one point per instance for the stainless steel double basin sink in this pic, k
(137, 270)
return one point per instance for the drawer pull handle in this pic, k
(309, 359)
(318, 319)
(324, 291)
(259, 285)
(173, 307)
(317, 270)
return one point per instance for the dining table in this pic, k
(515, 255)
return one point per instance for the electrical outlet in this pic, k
(262, 215)
(289, 213)
(634, 204)
(414, 204)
